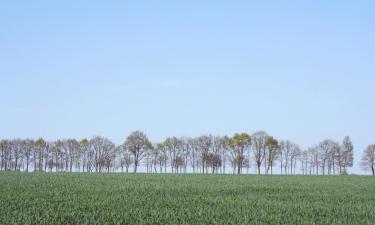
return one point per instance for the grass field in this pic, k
(184, 199)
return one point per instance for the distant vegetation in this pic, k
(204, 154)
(45, 199)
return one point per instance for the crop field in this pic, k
(184, 199)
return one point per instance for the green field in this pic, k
(184, 199)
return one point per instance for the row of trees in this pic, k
(204, 154)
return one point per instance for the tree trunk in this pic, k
(27, 164)
(135, 166)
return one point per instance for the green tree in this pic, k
(240, 143)
(272, 153)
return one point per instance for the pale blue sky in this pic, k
(302, 70)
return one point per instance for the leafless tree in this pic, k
(224, 148)
(70, 149)
(194, 146)
(259, 145)
(16, 151)
(288, 155)
(313, 155)
(204, 145)
(125, 158)
(186, 151)
(4, 154)
(103, 150)
(346, 156)
(174, 147)
(84, 146)
(368, 159)
(27, 150)
(294, 156)
(40, 149)
(137, 144)
(214, 162)
(326, 148)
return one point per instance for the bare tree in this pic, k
(294, 156)
(368, 159)
(174, 146)
(137, 144)
(326, 148)
(304, 159)
(204, 145)
(3, 153)
(214, 161)
(224, 148)
(346, 157)
(288, 154)
(193, 143)
(84, 146)
(27, 150)
(104, 150)
(71, 152)
(16, 147)
(186, 151)
(259, 144)
(313, 154)
(161, 157)
(125, 158)
(39, 154)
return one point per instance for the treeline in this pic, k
(204, 154)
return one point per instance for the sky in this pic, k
(299, 70)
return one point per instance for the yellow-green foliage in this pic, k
(184, 199)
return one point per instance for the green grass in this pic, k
(184, 199)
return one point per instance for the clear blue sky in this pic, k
(302, 70)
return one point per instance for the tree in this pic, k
(104, 151)
(6, 155)
(326, 148)
(193, 143)
(199, 154)
(186, 151)
(39, 154)
(288, 155)
(174, 146)
(313, 155)
(204, 145)
(137, 144)
(240, 143)
(27, 149)
(259, 144)
(71, 149)
(161, 156)
(368, 159)
(346, 159)
(126, 159)
(304, 158)
(294, 155)
(224, 146)
(272, 152)
(84, 146)
(214, 161)
(15, 148)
